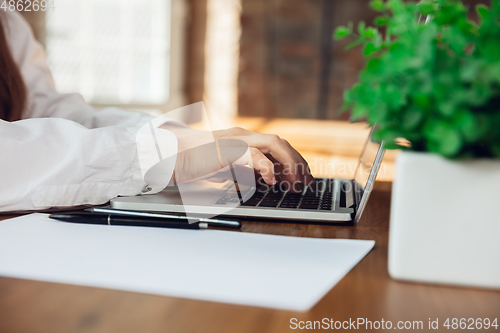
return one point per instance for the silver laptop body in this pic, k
(338, 200)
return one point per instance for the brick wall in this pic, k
(281, 56)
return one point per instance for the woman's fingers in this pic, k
(293, 166)
(263, 165)
(302, 168)
(281, 176)
(200, 156)
(289, 166)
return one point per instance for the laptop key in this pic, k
(310, 201)
(292, 197)
(326, 206)
(289, 204)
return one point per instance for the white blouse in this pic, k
(64, 153)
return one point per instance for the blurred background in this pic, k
(267, 65)
(253, 58)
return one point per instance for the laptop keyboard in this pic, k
(316, 197)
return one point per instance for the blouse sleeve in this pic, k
(55, 162)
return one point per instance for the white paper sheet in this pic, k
(279, 272)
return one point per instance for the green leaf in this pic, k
(422, 100)
(492, 73)
(455, 39)
(447, 108)
(377, 41)
(378, 5)
(447, 15)
(468, 27)
(482, 126)
(412, 118)
(466, 122)
(491, 50)
(370, 48)
(426, 8)
(443, 139)
(341, 32)
(348, 96)
(394, 97)
(381, 21)
(483, 12)
(370, 33)
(359, 111)
(397, 6)
(478, 93)
(354, 44)
(470, 70)
(361, 28)
(378, 113)
(451, 142)
(375, 66)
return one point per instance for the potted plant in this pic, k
(433, 85)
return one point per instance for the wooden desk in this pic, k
(366, 292)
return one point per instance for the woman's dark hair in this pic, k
(12, 88)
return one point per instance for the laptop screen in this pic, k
(366, 172)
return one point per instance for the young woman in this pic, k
(56, 151)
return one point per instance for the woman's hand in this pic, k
(271, 156)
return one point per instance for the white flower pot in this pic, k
(445, 221)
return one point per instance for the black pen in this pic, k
(213, 222)
(126, 221)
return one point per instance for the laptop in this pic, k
(330, 200)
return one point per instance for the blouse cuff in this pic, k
(155, 159)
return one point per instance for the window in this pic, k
(113, 52)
